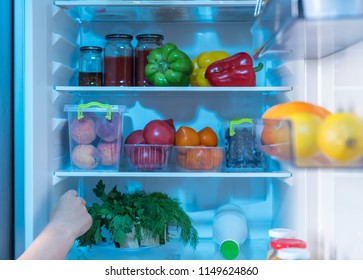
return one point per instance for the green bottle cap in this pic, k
(229, 250)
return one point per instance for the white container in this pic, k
(293, 254)
(229, 230)
(276, 233)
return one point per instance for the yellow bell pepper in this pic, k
(200, 63)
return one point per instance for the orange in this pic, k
(281, 111)
(186, 136)
(208, 137)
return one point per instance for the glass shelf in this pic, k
(162, 91)
(306, 29)
(160, 11)
(273, 174)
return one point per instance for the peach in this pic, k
(85, 156)
(83, 130)
(109, 130)
(109, 153)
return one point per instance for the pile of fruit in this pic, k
(315, 131)
(148, 149)
(197, 150)
(95, 141)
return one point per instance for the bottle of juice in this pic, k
(229, 230)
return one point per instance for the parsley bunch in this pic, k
(150, 214)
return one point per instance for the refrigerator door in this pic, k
(6, 140)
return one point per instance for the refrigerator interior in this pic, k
(280, 196)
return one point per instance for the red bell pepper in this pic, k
(236, 70)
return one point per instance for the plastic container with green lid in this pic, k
(95, 136)
(242, 139)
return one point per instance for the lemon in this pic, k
(340, 137)
(305, 127)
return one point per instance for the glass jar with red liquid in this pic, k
(145, 44)
(118, 60)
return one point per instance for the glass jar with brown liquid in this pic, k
(90, 66)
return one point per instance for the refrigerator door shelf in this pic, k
(314, 157)
(160, 11)
(307, 29)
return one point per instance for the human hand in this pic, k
(70, 215)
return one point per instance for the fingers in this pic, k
(82, 201)
(71, 193)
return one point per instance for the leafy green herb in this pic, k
(150, 214)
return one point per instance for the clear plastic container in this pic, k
(276, 233)
(147, 157)
(90, 72)
(283, 243)
(199, 158)
(95, 133)
(241, 142)
(229, 230)
(118, 61)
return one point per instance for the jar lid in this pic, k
(281, 233)
(293, 254)
(281, 243)
(229, 250)
(91, 48)
(149, 36)
(118, 36)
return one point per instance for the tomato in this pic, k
(135, 137)
(158, 132)
(208, 137)
(171, 123)
(186, 136)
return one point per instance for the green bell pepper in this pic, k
(168, 66)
